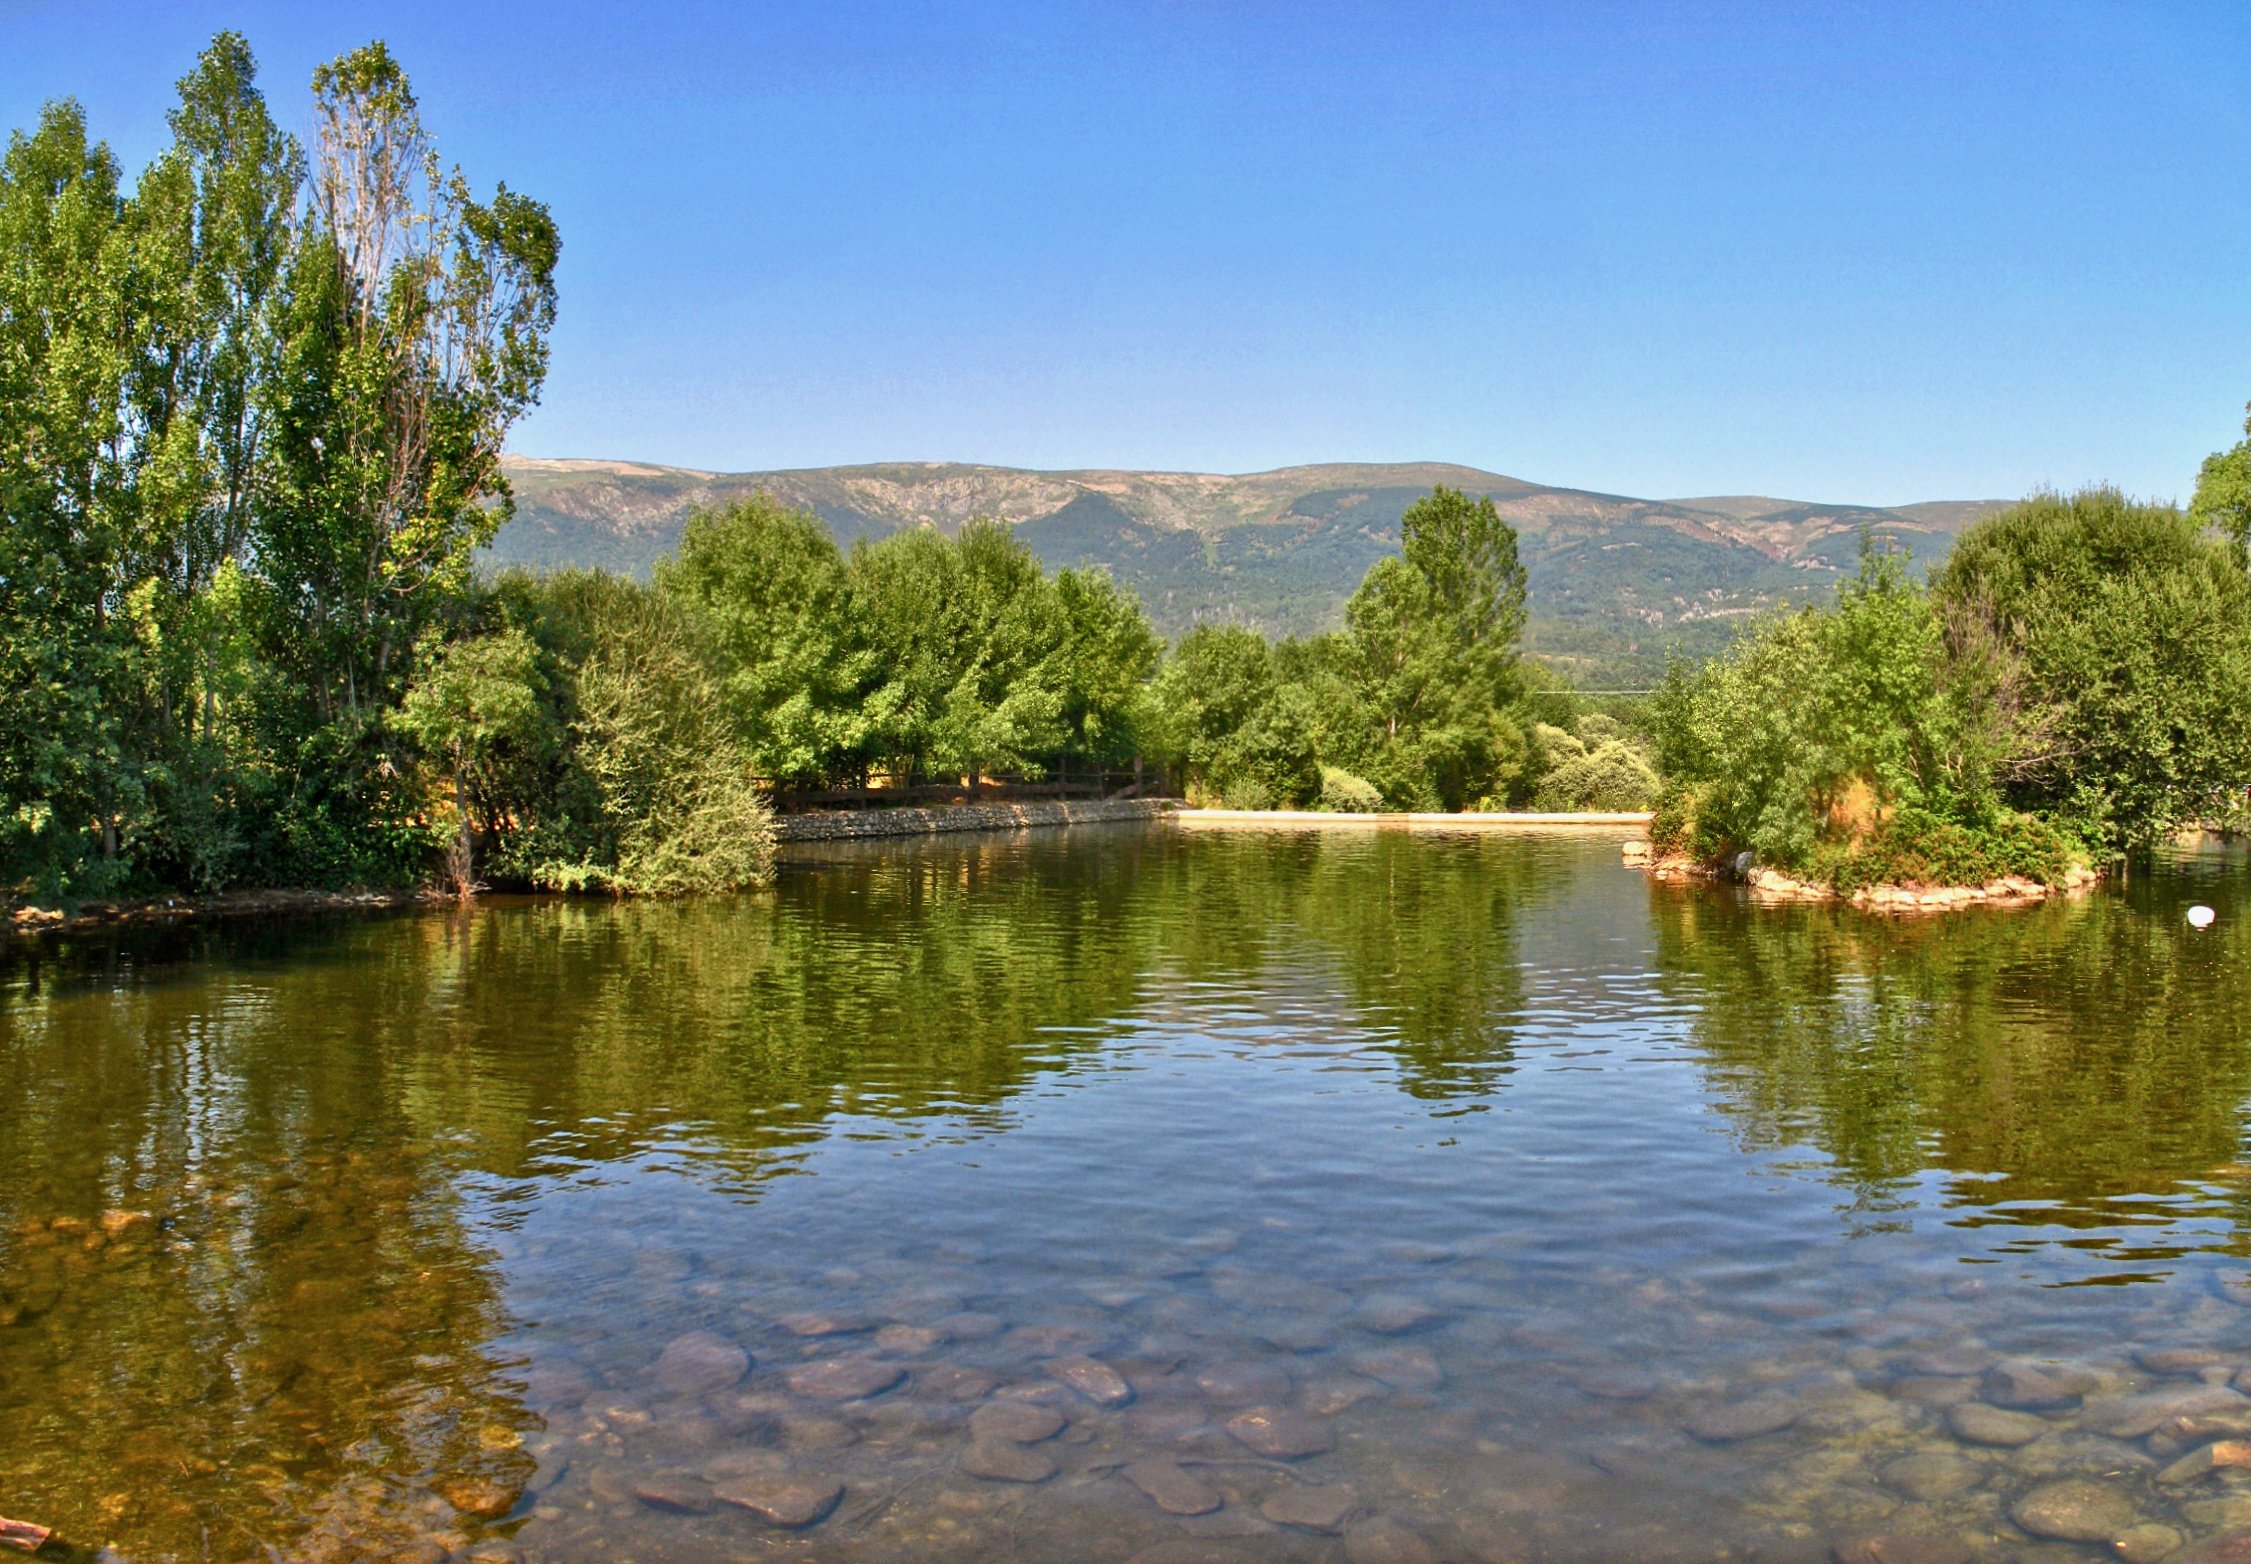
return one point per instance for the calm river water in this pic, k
(1135, 1194)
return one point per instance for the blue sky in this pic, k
(1878, 251)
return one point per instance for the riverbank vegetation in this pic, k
(2068, 687)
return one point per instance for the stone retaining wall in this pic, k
(851, 825)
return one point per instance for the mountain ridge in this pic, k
(1616, 582)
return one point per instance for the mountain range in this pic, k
(1616, 583)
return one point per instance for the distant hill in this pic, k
(1615, 581)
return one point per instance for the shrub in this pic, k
(1613, 777)
(1345, 794)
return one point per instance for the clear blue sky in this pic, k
(1878, 251)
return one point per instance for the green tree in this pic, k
(770, 587)
(2223, 491)
(2120, 672)
(1437, 632)
(479, 707)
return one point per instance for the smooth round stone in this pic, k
(1309, 1508)
(1736, 1420)
(908, 1340)
(1243, 1384)
(820, 1322)
(1975, 1423)
(1098, 1382)
(700, 1364)
(2031, 1387)
(485, 1498)
(1394, 1316)
(679, 1494)
(1933, 1390)
(955, 1382)
(1328, 1397)
(1951, 1362)
(1402, 1368)
(814, 1431)
(2131, 1417)
(843, 1379)
(1614, 1382)
(2230, 1548)
(1172, 1488)
(1280, 1433)
(1001, 1462)
(1932, 1474)
(790, 1502)
(2075, 1510)
(1015, 1422)
(1383, 1541)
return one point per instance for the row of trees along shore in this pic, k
(251, 417)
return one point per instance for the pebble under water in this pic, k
(1136, 1194)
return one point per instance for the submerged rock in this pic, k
(2032, 1387)
(1901, 1548)
(2077, 1509)
(1243, 1384)
(1736, 1420)
(2130, 1417)
(1385, 1541)
(1001, 1462)
(671, 1491)
(788, 1501)
(1932, 1474)
(700, 1364)
(1280, 1433)
(1172, 1488)
(843, 1379)
(1402, 1368)
(1975, 1423)
(1015, 1422)
(1098, 1382)
(2217, 1456)
(1308, 1508)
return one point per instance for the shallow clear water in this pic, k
(1381, 1197)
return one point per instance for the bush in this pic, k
(1345, 794)
(1612, 777)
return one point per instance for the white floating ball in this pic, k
(2200, 917)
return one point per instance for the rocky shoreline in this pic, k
(1772, 885)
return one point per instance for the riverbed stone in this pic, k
(909, 1341)
(843, 1379)
(700, 1364)
(674, 1492)
(1975, 1423)
(998, 1461)
(2032, 1387)
(2220, 1455)
(480, 1495)
(1614, 1382)
(1932, 1474)
(825, 1322)
(1392, 1314)
(2146, 1543)
(790, 1501)
(2076, 1509)
(1243, 1384)
(1402, 1368)
(1382, 1540)
(1954, 1360)
(1091, 1378)
(1321, 1509)
(1015, 1422)
(2131, 1417)
(2232, 1548)
(1172, 1488)
(1279, 1433)
(1335, 1393)
(1730, 1421)
(817, 1431)
(971, 1325)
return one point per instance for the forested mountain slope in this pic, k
(1615, 581)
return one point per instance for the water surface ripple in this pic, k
(1126, 1194)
